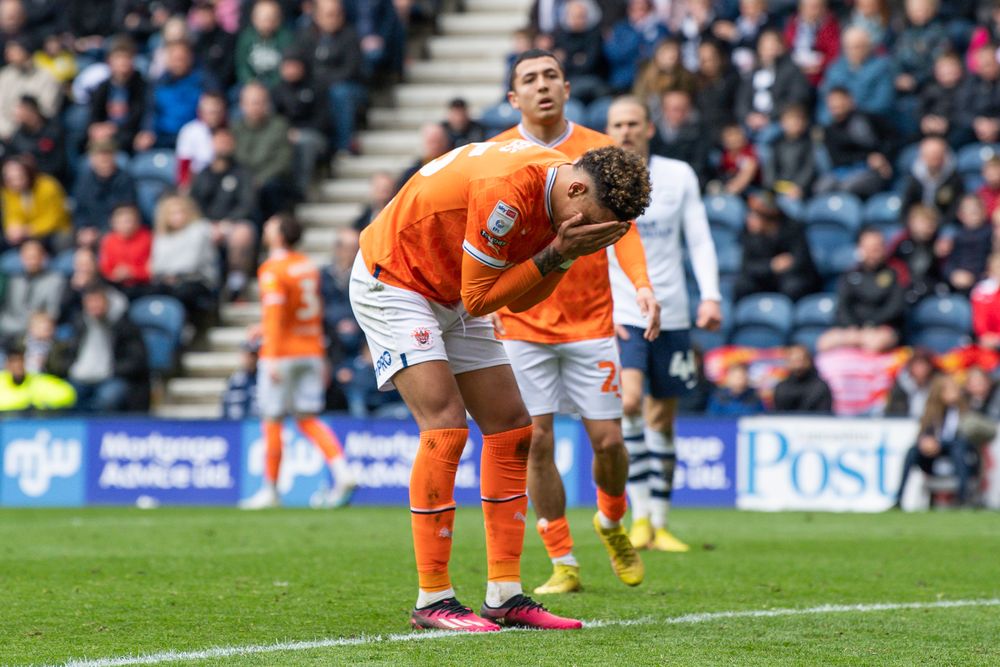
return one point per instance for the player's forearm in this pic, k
(632, 258)
(538, 293)
(485, 291)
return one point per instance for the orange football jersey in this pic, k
(292, 318)
(580, 308)
(489, 200)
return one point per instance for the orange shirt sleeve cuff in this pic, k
(632, 258)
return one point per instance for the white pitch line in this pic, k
(366, 640)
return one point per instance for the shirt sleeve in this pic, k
(272, 301)
(495, 214)
(699, 242)
(632, 258)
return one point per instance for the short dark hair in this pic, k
(621, 180)
(865, 230)
(290, 229)
(532, 54)
(839, 90)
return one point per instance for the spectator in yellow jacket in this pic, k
(21, 391)
(34, 205)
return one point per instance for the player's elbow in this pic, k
(475, 306)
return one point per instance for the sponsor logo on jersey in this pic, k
(492, 240)
(383, 363)
(502, 219)
(421, 338)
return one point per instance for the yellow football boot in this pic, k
(641, 535)
(625, 559)
(564, 579)
(664, 540)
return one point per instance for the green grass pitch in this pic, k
(101, 583)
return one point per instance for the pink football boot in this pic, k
(522, 612)
(449, 614)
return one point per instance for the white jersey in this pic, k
(675, 208)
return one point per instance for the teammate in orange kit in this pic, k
(485, 226)
(564, 352)
(291, 368)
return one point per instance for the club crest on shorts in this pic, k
(502, 219)
(421, 338)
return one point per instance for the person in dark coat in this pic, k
(119, 103)
(735, 397)
(971, 246)
(39, 137)
(105, 358)
(776, 257)
(917, 254)
(857, 144)
(679, 133)
(305, 107)
(716, 88)
(870, 301)
(978, 99)
(803, 390)
(938, 110)
(774, 84)
(580, 48)
(100, 186)
(791, 169)
(214, 47)
(934, 179)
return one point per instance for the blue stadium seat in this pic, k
(942, 312)
(793, 208)
(575, 111)
(817, 310)
(885, 208)
(154, 172)
(708, 340)
(905, 159)
(833, 260)
(762, 320)
(500, 117)
(825, 237)
(723, 236)
(940, 341)
(971, 158)
(730, 258)
(161, 320)
(597, 113)
(807, 337)
(728, 210)
(10, 262)
(838, 208)
(63, 262)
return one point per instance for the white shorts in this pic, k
(300, 390)
(581, 377)
(404, 328)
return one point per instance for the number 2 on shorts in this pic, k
(609, 385)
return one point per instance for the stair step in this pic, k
(482, 23)
(319, 240)
(447, 71)
(210, 364)
(438, 95)
(236, 314)
(392, 143)
(196, 390)
(363, 166)
(227, 338)
(399, 118)
(346, 190)
(326, 214)
(480, 47)
(189, 411)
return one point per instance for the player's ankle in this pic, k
(498, 592)
(607, 523)
(568, 559)
(427, 598)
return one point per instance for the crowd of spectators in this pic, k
(143, 144)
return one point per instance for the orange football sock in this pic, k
(504, 487)
(432, 503)
(612, 507)
(272, 450)
(555, 534)
(321, 436)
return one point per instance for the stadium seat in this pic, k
(905, 159)
(939, 340)
(762, 320)
(942, 312)
(824, 238)
(838, 208)
(834, 260)
(883, 209)
(793, 208)
(814, 314)
(154, 173)
(971, 158)
(708, 340)
(10, 262)
(575, 111)
(161, 320)
(597, 113)
(728, 210)
(724, 236)
(63, 262)
(730, 258)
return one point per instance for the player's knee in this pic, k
(542, 443)
(632, 404)
(609, 446)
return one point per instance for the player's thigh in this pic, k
(536, 369)
(307, 385)
(672, 369)
(492, 398)
(274, 397)
(590, 373)
(432, 395)
(401, 327)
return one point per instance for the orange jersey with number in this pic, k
(580, 308)
(489, 200)
(292, 318)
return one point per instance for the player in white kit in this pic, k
(667, 362)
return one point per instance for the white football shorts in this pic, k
(581, 377)
(404, 328)
(299, 390)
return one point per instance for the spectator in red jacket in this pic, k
(989, 191)
(125, 250)
(986, 306)
(813, 38)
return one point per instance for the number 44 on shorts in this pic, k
(683, 368)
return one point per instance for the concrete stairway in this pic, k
(466, 59)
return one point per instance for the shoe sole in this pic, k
(418, 625)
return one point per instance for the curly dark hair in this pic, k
(621, 180)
